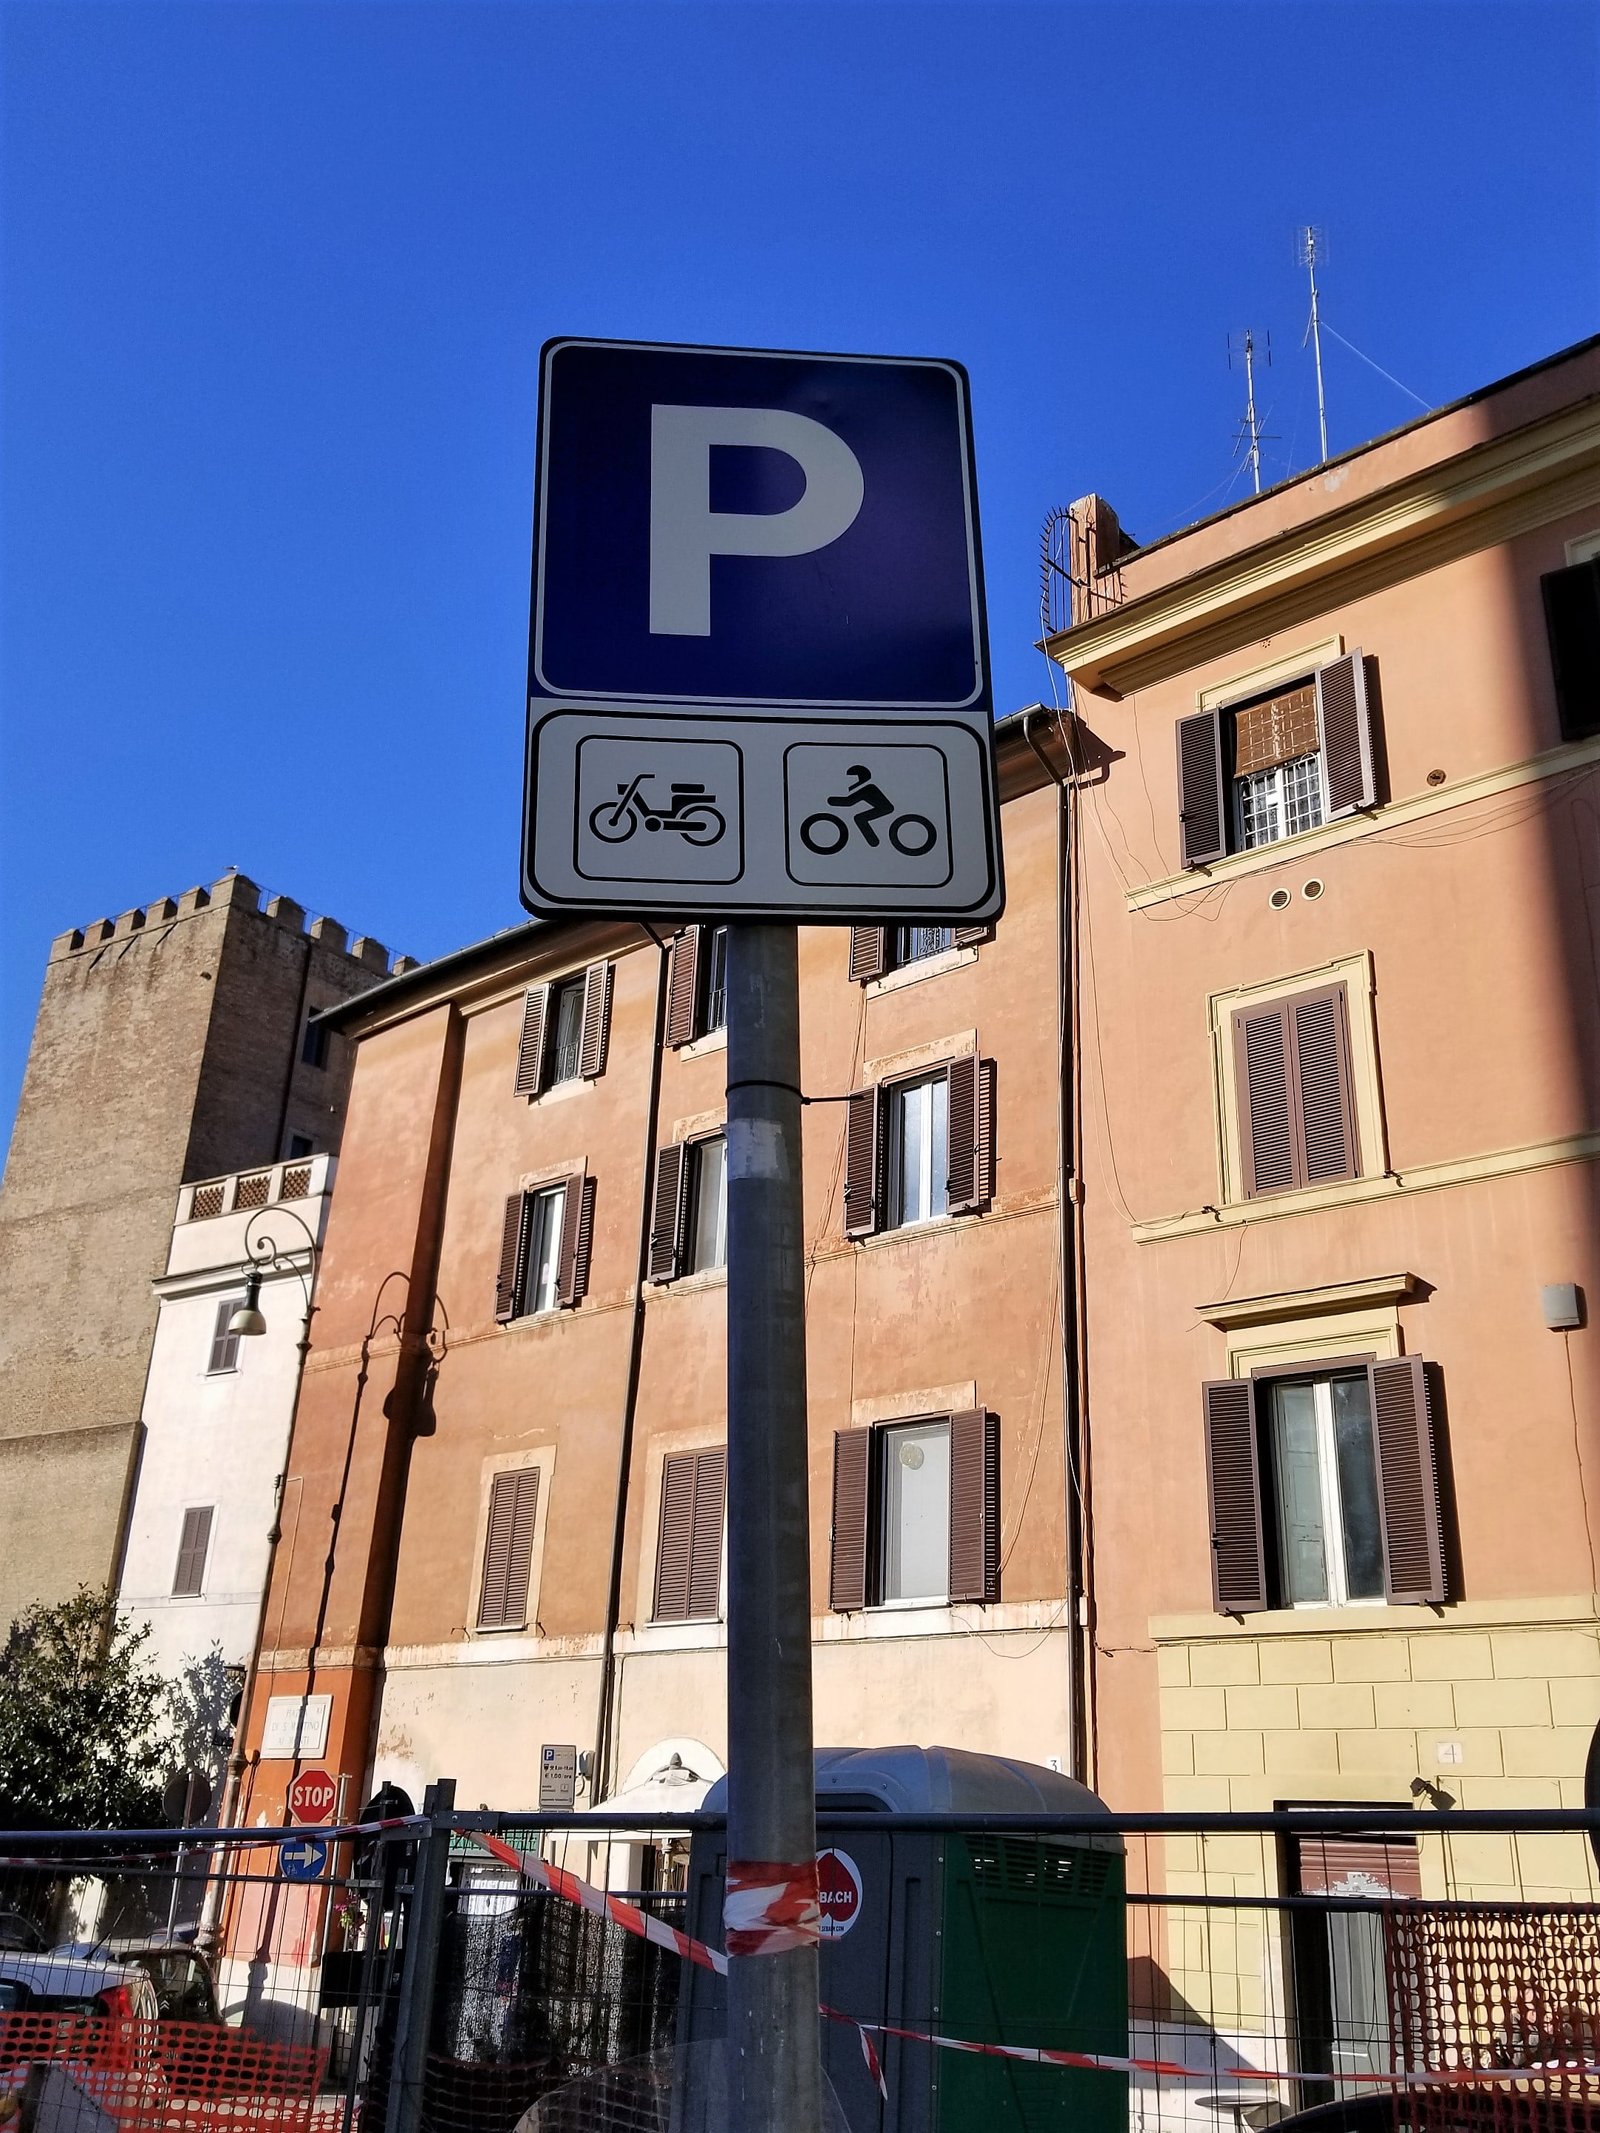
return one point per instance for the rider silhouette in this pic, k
(872, 803)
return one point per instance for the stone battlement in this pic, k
(234, 890)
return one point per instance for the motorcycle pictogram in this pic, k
(825, 833)
(691, 814)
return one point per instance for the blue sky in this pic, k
(275, 279)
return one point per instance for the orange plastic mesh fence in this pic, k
(150, 2077)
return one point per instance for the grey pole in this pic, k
(774, 2062)
(424, 1923)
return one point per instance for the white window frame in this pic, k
(1331, 1502)
(713, 1018)
(696, 1182)
(214, 1369)
(881, 1541)
(566, 989)
(933, 1188)
(902, 934)
(1272, 777)
(541, 1283)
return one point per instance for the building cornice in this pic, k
(1229, 1311)
(1470, 501)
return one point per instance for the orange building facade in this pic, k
(1202, 1388)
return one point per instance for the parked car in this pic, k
(75, 1984)
(186, 1990)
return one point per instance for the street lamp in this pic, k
(248, 1319)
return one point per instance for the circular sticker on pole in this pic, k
(838, 1893)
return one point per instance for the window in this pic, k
(546, 1242)
(1253, 773)
(314, 1044)
(1572, 621)
(224, 1345)
(697, 984)
(876, 950)
(689, 1540)
(1296, 1094)
(300, 1146)
(708, 1205)
(566, 1031)
(508, 1549)
(919, 1151)
(914, 944)
(916, 1511)
(188, 1578)
(920, 1148)
(714, 995)
(1324, 1488)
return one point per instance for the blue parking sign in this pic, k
(724, 526)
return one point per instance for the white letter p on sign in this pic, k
(685, 533)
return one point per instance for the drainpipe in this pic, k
(1074, 1417)
(604, 1736)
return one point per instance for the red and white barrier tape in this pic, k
(568, 1886)
(767, 1908)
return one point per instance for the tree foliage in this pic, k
(88, 1729)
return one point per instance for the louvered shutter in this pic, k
(974, 1506)
(1261, 1040)
(1408, 1481)
(508, 1549)
(188, 1578)
(852, 1470)
(683, 988)
(983, 1191)
(971, 1135)
(1324, 1095)
(1572, 622)
(1233, 1479)
(675, 1540)
(869, 952)
(705, 1547)
(577, 1240)
(1344, 721)
(1202, 798)
(513, 1248)
(596, 1039)
(530, 1050)
(861, 1165)
(971, 936)
(666, 1227)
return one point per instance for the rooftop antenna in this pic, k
(1311, 244)
(1250, 434)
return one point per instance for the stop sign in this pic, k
(838, 1893)
(311, 1797)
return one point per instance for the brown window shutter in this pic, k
(971, 936)
(705, 1548)
(513, 1246)
(1233, 1478)
(683, 988)
(675, 1540)
(852, 1469)
(974, 1506)
(508, 1549)
(869, 952)
(986, 1131)
(971, 1135)
(188, 1579)
(666, 1227)
(861, 1164)
(530, 1051)
(596, 1039)
(1324, 1091)
(1344, 719)
(1572, 621)
(1408, 1482)
(577, 1240)
(1202, 799)
(1261, 1040)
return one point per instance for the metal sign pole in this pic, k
(774, 2063)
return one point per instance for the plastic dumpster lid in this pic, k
(907, 1780)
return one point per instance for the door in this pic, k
(1341, 1987)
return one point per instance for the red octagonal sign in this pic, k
(838, 1893)
(311, 1797)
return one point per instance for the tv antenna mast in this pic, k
(1311, 244)
(1250, 433)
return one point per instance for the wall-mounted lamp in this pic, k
(248, 1319)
